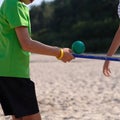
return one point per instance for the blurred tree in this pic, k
(63, 21)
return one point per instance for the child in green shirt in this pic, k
(17, 93)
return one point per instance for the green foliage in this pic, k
(61, 22)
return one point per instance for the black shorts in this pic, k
(18, 97)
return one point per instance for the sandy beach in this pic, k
(75, 91)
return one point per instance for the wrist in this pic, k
(61, 54)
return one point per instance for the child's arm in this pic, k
(33, 46)
(115, 44)
(113, 48)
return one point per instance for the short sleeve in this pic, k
(18, 15)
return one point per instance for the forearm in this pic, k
(40, 48)
(115, 44)
(34, 46)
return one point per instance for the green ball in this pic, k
(78, 47)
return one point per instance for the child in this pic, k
(17, 93)
(113, 48)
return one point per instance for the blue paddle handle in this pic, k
(96, 57)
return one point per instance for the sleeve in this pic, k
(17, 15)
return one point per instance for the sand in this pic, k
(75, 91)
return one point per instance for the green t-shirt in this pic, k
(14, 61)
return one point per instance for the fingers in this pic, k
(107, 72)
(106, 69)
(67, 58)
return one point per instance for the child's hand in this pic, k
(106, 69)
(66, 55)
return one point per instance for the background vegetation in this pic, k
(61, 22)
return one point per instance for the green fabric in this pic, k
(14, 61)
